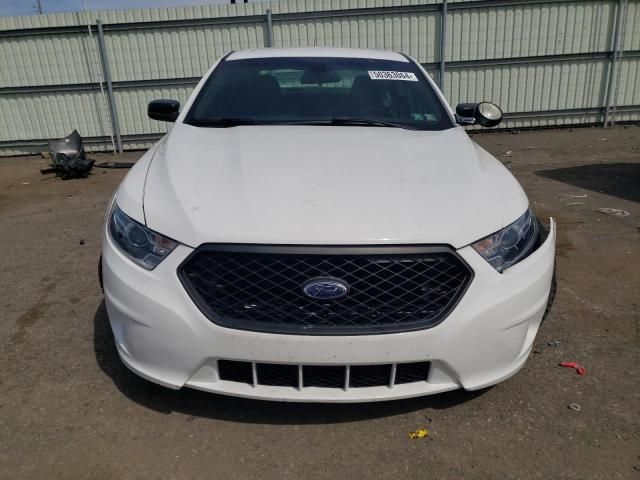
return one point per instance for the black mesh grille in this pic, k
(323, 376)
(277, 375)
(369, 375)
(261, 288)
(235, 371)
(412, 372)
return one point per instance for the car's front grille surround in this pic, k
(391, 288)
(342, 377)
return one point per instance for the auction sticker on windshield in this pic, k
(382, 75)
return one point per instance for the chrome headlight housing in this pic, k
(511, 244)
(142, 245)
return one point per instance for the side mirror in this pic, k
(164, 110)
(485, 114)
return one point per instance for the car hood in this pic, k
(333, 185)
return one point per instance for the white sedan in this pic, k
(317, 226)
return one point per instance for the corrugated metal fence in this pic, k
(546, 62)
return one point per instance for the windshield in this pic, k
(316, 90)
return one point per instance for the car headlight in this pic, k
(511, 244)
(143, 246)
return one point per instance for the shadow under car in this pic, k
(620, 180)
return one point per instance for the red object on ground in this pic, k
(578, 368)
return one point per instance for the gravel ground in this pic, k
(70, 409)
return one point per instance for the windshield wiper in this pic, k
(235, 122)
(335, 121)
(346, 121)
(364, 121)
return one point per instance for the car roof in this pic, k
(317, 52)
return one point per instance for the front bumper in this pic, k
(162, 336)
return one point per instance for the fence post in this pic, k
(107, 77)
(620, 52)
(611, 79)
(269, 29)
(443, 37)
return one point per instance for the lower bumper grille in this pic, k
(354, 290)
(323, 376)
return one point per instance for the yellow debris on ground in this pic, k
(421, 433)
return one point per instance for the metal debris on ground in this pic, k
(575, 407)
(614, 212)
(420, 433)
(553, 343)
(114, 165)
(508, 153)
(68, 158)
(575, 365)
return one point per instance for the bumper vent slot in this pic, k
(323, 376)
(235, 371)
(277, 375)
(389, 289)
(369, 375)
(411, 372)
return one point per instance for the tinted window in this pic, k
(317, 90)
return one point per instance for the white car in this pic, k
(316, 226)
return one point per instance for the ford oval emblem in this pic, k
(325, 288)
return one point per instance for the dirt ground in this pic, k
(70, 409)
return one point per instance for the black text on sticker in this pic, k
(388, 75)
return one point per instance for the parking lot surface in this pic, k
(70, 409)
